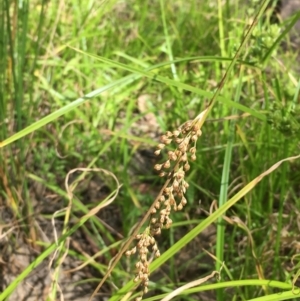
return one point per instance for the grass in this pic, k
(84, 90)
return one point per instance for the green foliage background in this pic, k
(71, 77)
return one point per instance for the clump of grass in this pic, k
(263, 149)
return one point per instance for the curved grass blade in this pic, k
(227, 284)
(12, 286)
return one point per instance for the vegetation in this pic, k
(210, 209)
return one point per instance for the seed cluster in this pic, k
(172, 198)
(175, 167)
(145, 241)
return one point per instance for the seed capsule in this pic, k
(153, 220)
(192, 150)
(157, 166)
(183, 201)
(157, 152)
(186, 166)
(194, 138)
(176, 133)
(167, 164)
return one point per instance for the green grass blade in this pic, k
(179, 85)
(224, 187)
(51, 117)
(168, 42)
(227, 284)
